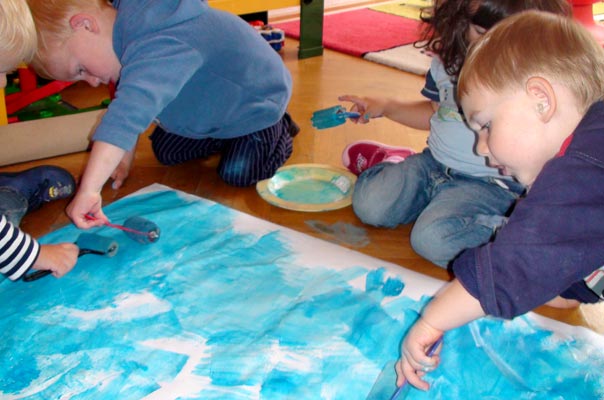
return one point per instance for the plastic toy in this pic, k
(29, 90)
(274, 36)
(26, 100)
(332, 116)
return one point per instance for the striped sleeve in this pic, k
(18, 250)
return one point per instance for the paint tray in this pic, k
(332, 116)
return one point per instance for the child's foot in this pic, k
(364, 154)
(293, 128)
(40, 185)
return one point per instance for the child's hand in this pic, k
(58, 258)
(86, 204)
(367, 107)
(122, 170)
(415, 363)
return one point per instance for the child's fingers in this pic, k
(400, 376)
(359, 103)
(413, 375)
(86, 219)
(422, 362)
(118, 181)
(348, 97)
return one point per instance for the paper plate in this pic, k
(308, 187)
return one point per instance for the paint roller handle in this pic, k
(152, 235)
(88, 243)
(116, 226)
(34, 276)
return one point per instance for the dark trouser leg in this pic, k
(172, 149)
(251, 158)
(245, 160)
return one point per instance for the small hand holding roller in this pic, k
(88, 243)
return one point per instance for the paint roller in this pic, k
(137, 228)
(88, 243)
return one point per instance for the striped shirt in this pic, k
(18, 250)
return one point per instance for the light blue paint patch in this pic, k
(237, 310)
(310, 191)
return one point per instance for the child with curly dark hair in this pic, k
(455, 199)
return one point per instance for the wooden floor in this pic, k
(318, 82)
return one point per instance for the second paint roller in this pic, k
(137, 228)
(88, 243)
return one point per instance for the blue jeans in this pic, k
(13, 205)
(452, 211)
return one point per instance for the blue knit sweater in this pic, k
(197, 71)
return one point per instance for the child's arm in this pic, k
(122, 170)
(58, 258)
(104, 158)
(452, 307)
(414, 114)
(22, 253)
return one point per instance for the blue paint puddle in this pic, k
(214, 312)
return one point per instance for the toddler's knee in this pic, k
(429, 243)
(236, 174)
(372, 213)
(163, 157)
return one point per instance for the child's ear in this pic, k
(84, 21)
(542, 93)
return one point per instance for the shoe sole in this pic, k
(346, 158)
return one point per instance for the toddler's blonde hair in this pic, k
(52, 19)
(534, 43)
(17, 32)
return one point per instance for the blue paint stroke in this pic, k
(211, 312)
(393, 287)
(375, 279)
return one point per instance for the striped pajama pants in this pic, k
(244, 160)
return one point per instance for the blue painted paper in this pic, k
(226, 306)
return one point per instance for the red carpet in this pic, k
(361, 31)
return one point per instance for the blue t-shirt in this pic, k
(197, 71)
(450, 140)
